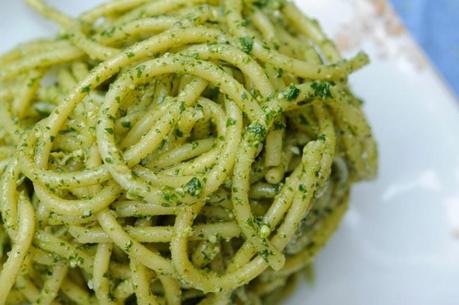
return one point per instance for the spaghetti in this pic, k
(174, 152)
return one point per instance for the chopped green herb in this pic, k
(178, 133)
(32, 81)
(257, 129)
(140, 70)
(230, 122)
(128, 246)
(162, 144)
(292, 93)
(302, 188)
(246, 44)
(194, 187)
(109, 130)
(261, 3)
(108, 32)
(243, 23)
(169, 195)
(265, 254)
(279, 73)
(182, 107)
(75, 260)
(321, 90)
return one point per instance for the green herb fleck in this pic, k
(128, 246)
(140, 70)
(194, 187)
(321, 90)
(292, 93)
(169, 195)
(265, 254)
(108, 32)
(246, 44)
(257, 129)
(230, 122)
(178, 133)
(279, 73)
(32, 81)
(261, 3)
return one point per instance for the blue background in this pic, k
(435, 25)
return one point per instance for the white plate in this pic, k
(399, 243)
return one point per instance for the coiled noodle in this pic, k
(174, 152)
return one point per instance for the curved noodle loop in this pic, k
(174, 152)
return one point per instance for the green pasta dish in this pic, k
(175, 152)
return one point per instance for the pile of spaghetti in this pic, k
(174, 152)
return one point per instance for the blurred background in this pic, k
(435, 25)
